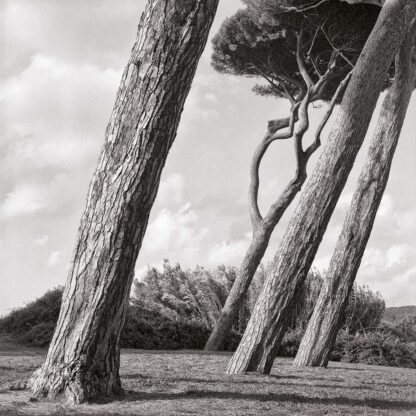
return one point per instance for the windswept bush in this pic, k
(186, 295)
(176, 308)
(150, 324)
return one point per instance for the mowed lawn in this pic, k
(194, 383)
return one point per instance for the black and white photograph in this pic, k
(208, 207)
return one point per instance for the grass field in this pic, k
(194, 383)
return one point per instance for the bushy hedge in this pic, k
(33, 325)
(150, 330)
(174, 309)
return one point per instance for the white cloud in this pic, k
(54, 259)
(171, 190)
(24, 199)
(386, 206)
(173, 234)
(321, 263)
(229, 252)
(41, 241)
(345, 201)
(56, 113)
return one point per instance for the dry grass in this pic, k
(194, 383)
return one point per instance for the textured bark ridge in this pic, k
(300, 243)
(83, 358)
(321, 333)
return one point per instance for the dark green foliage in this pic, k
(174, 309)
(365, 310)
(379, 347)
(261, 41)
(150, 330)
(38, 336)
(406, 328)
(36, 314)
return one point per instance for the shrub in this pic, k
(176, 308)
(42, 311)
(365, 310)
(39, 336)
(377, 347)
(145, 328)
(406, 328)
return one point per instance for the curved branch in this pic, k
(271, 136)
(294, 83)
(302, 157)
(286, 197)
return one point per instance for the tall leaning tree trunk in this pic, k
(301, 241)
(84, 356)
(323, 327)
(251, 261)
(264, 227)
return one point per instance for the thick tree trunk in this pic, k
(322, 330)
(293, 260)
(84, 356)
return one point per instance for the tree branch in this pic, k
(317, 142)
(279, 206)
(336, 49)
(285, 91)
(295, 83)
(323, 80)
(301, 62)
(272, 135)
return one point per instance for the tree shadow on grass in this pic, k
(273, 397)
(175, 352)
(239, 381)
(348, 368)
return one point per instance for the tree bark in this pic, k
(300, 243)
(84, 356)
(264, 227)
(322, 330)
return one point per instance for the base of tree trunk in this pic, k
(75, 384)
(221, 331)
(312, 361)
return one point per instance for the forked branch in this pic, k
(272, 135)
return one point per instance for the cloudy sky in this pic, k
(59, 73)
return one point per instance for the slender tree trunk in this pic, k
(84, 356)
(322, 330)
(252, 259)
(293, 260)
